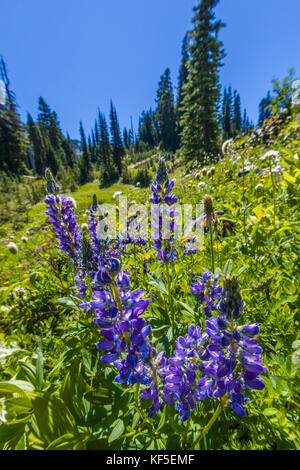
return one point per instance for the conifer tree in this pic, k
(148, 128)
(237, 114)
(116, 139)
(69, 152)
(200, 135)
(165, 113)
(227, 119)
(38, 145)
(131, 134)
(85, 164)
(12, 132)
(125, 137)
(108, 170)
(182, 79)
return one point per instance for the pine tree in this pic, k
(165, 113)
(227, 117)
(131, 139)
(182, 79)
(116, 139)
(108, 170)
(148, 128)
(12, 132)
(50, 130)
(237, 114)
(38, 145)
(69, 152)
(125, 138)
(12, 142)
(200, 133)
(85, 164)
(104, 145)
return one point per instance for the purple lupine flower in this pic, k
(145, 266)
(233, 359)
(93, 228)
(161, 194)
(208, 291)
(61, 216)
(117, 312)
(231, 302)
(180, 380)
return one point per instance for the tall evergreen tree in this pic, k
(148, 128)
(165, 113)
(69, 152)
(182, 79)
(227, 117)
(12, 132)
(85, 164)
(108, 170)
(125, 137)
(116, 139)
(38, 145)
(131, 139)
(104, 145)
(237, 114)
(200, 133)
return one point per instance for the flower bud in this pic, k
(103, 276)
(208, 206)
(251, 330)
(12, 247)
(123, 280)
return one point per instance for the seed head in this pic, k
(12, 247)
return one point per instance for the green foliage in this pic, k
(200, 134)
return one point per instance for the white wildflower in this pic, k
(74, 204)
(270, 154)
(226, 144)
(84, 227)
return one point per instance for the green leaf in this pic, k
(7, 388)
(12, 430)
(118, 429)
(92, 418)
(69, 442)
(67, 303)
(288, 177)
(270, 412)
(241, 270)
(228, 267)
(39, 370)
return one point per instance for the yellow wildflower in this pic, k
(262, 216)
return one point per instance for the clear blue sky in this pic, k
(78, 54)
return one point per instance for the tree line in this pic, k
(194, 123)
